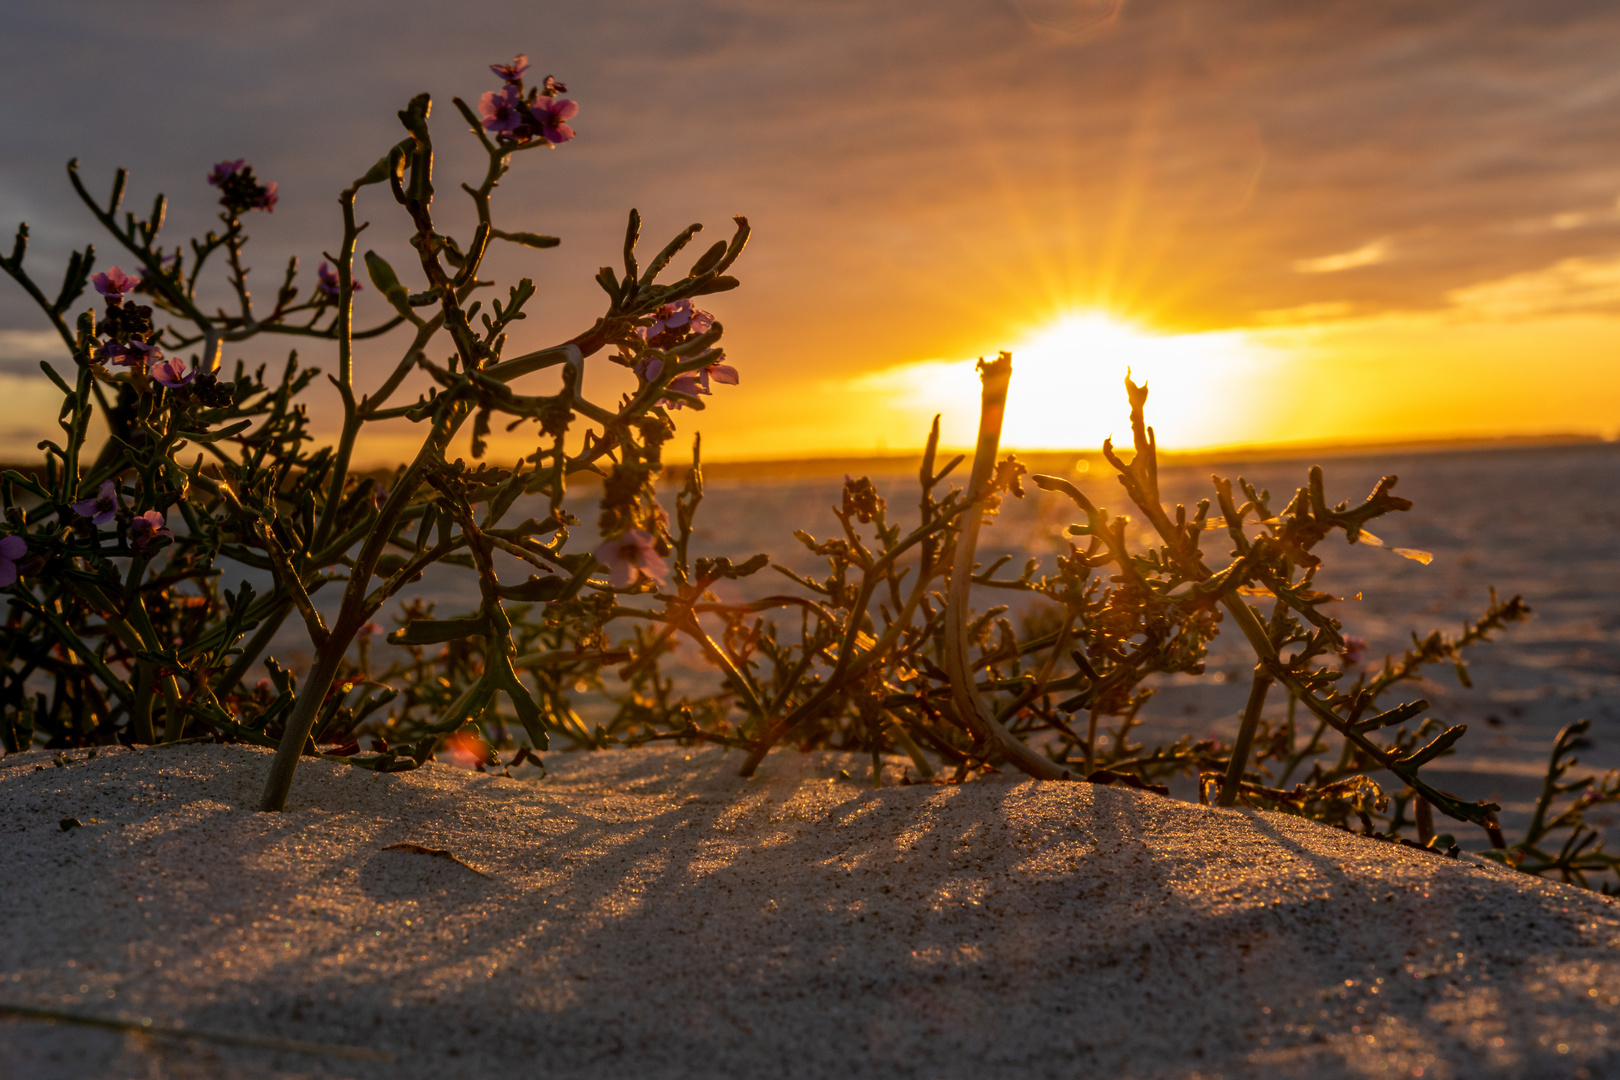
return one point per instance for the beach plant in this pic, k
(181, 468)
(118, 611)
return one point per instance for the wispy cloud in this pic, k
(1567, 286)
(22, 350)
(1369, 254)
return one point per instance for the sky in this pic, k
(1350, 221)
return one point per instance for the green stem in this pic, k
(140, 707)
(1245, 739)
(174, 720)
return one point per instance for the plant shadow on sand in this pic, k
(651, 912)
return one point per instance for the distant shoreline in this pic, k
(1064, 461)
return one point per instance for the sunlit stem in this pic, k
(1424, 814)
(174, 719)
(1245, 739)
(1091, 743)
(970, 704)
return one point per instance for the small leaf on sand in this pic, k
(438, 853)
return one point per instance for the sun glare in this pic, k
(1068, 385)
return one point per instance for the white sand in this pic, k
(649, 914)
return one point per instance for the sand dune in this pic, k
(649, 914)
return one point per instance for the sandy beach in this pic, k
(647, 913)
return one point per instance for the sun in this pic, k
(1068, 387)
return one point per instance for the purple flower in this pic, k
(101, 507)
(266, 199)
(692, 382)
(513, 72)
(225, 170)
(145, 529)
(1354, 648)
(630, 558)
(552, 87)
(112, 352)
(171, 373)
(327, 283)
(12, 548)
(114, 284)
(134, 354)
(502, 110)
(551, 113)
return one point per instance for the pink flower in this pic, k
(694, 383)
(101, 507)
(145, 529)
(1354, 648)
(551, 114)
(366, 632)
(551, 87)
(502, 110)
(689, 384)
(114, 283)
(267, 196)
(512, 72)
(171, 373)
(630, 558)
(12, 548)
(724, 374)
(677, 320)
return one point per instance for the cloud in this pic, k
(1573, 219)
(1369, 254)
(1569, 285)
(912, 171)
(22, 350)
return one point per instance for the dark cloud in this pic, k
(907, 165)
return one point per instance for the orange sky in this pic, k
(1338, 221)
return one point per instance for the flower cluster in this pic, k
(540, 113)
(131, 338)
(126, 324)
(240, 191)
(103, 507)
(672, 324)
